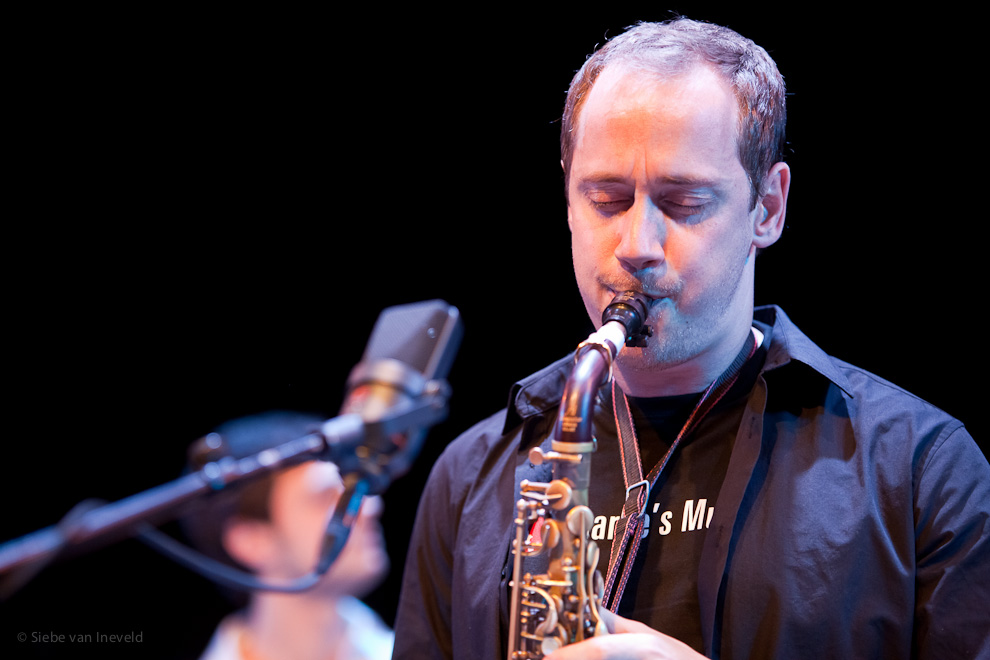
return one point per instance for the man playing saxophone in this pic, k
(752, 496)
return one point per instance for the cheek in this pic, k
(590, 248)
(710, 266)
(306, 528)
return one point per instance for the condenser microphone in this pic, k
(403, 368)
(397, 391)
(409, 346)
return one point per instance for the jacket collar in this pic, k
(539, 393)
(789, 343)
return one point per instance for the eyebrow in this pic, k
(689, 182)
(597, 178)
(682, 181)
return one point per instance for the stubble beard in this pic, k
(681, 335)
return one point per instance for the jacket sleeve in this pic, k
(952, 532)
(423, 617)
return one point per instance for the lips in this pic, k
(655, 297)
(661, 301)
(662, 295)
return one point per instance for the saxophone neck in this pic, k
(623, 321)
(592, 369)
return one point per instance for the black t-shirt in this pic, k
(662, 590)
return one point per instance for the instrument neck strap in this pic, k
(629, 528)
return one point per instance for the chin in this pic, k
(644, 360)
(362, 570)
(670, 345)
(357, 581)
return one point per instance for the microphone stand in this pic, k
(363, 450)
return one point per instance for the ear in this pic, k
(249, 541)
(772, 207)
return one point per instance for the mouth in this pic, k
(660, 301)
(636, 297)
(654, 297)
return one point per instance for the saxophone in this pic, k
(561, 607)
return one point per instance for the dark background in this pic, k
(206, 214)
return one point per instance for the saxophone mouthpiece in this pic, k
(630, 308)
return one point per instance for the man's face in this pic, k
(658, 202)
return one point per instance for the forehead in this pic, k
(690, 116)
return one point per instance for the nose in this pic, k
(642, 234)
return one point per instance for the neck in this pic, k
(284, 626)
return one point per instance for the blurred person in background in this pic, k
(274, 527)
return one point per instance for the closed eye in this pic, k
(688, 205)
(685, 211)
(610, 207)
(609, 199)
